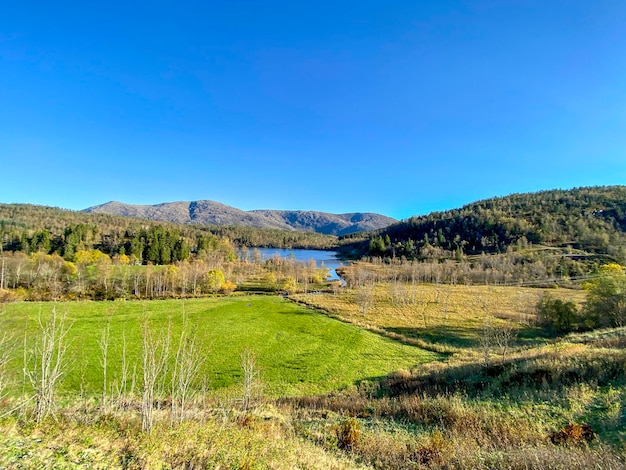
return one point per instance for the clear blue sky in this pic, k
(397, 107)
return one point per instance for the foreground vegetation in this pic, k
(497, 391)
(354, 429)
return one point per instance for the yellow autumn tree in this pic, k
(606, 300)
(214, 280)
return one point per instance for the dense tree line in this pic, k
(582, 220)
(274, 238)
(537, 268)
(29, 229)
(94, 275)
(156, 245)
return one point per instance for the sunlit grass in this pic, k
(297, 350)
(454, 316)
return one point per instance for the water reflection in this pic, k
(327, 259)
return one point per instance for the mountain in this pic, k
(214, 213)
(330, 224)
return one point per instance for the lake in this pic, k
(329, 258)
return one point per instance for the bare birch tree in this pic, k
(46, 362)
(251, 378)
(104, 348)
(6, 349)
(122, 382)
(487, 339)
(504, 336)
(155, 352)
(187, 364)
(364, 298)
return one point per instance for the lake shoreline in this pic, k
(323, 258)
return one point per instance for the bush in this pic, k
(605, 306)
(558, 316)
(348, 433)
(573, 433)
(606, 303)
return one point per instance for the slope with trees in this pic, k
(29, 228)
(582, 223)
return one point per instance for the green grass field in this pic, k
(298, 351)
(524, 410)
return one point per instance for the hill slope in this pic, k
(591, 219)
(214, 213)
(26, 227)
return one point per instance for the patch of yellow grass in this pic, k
(435, 312)
(263, 441)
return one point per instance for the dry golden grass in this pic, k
(420, 431)
(455, 316)
(264, 440)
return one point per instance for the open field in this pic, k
(536, 402)
(297, 350)
(450, 318)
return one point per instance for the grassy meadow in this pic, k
(431, 377)
(451, 318)
(298, 351)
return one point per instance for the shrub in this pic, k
(348, 433)
(573, 433)
(434, 451)
(606, 301)
(558, 316)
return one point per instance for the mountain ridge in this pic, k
(208, 212)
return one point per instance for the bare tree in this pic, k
(104, 348)
(360, 275)
(487, 339)
(364, 298)
(2, 282)
(398, 293)
(422, 310)
(503, 336)
(251, 378)
(47, 362)
(187, 365)
(155, 352)
(6, 349)
(121, 384)
(446, 301)
(133, 381)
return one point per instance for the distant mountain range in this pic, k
(214, 213)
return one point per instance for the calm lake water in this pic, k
(329, 258)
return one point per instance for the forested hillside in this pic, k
(584, 225)
(28, 228)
